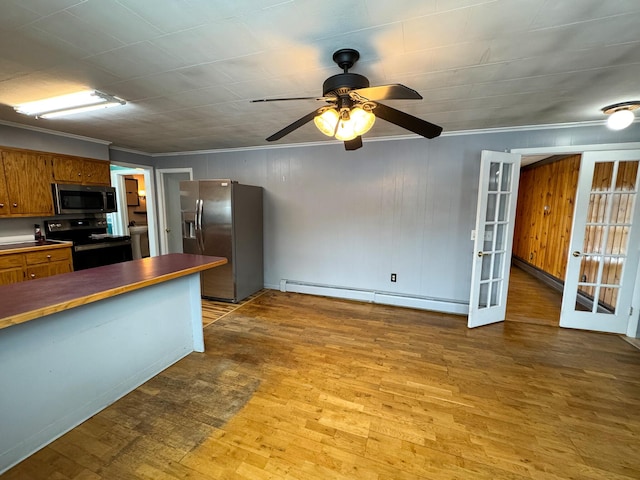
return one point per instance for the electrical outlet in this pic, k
(393, 277)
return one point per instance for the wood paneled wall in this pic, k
(544, 214)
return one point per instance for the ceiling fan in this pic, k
(353, 106)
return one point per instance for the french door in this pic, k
(495, 218)
(605, 243)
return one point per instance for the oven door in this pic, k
(101, 253)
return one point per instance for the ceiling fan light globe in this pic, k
(362, 120)
(326, 122)
(620, 119)
(345, 130)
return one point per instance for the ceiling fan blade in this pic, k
(388, 92)
(325, 99)
(404, 120)
(297, 124)
(354, 144)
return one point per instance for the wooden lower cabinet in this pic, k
(11, 268)
(43, 262)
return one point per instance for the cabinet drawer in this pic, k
(39, 271)
(46, 256)
(9, 261)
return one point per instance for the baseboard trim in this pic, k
(384, 298)
(541, 275)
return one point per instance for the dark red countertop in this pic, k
(24, 301)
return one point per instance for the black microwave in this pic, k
(84, 199)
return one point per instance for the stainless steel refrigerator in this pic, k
(223, 218)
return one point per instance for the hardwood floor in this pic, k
(301, 387)
(213, 310)
(531, 301)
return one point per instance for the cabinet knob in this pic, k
(1, 205)
(48, 256)
(33, 275)
(15, 204)
(79, 174)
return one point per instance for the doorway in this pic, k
(603, 244)
(170, 223)
(544, 215)
(119, 221)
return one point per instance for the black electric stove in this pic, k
(92, 245)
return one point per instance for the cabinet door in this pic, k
(11, 269)
(56, 268)
(4, 194)
(28, 178)
(96, 172)
(11, 275)
(67, 169)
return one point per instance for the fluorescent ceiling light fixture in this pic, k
(69, 104)
(621, 114)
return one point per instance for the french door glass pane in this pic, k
(602, 174)
(592, 239)
(627, 176)
(597, 207)
(483, 299)
(501, 237)
(494, 176)
(491, 207)
(589, 266)
(485, 273)
(488, 238)
(495, 293)
(497, 265)
(617, 241)
(505, 181)
(503, 208)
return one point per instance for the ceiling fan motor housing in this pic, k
(343, 83)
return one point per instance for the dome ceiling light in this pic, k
(621, 114)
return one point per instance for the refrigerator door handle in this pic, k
(199, 232)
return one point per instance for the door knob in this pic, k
(167, 230)
(480, 254)
(576, 253)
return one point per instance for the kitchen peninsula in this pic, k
(72, 344)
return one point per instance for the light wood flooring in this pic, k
(531, 301)
(294, 386)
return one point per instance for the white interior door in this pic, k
(168, 181)
(605, 243)
(495, 218)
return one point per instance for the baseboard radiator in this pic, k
(384, 298)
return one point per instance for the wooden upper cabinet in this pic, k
(96, 172)
(67, 169)
(4, 194)
(28, 178)
(78, 170)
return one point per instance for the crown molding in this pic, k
(483, 131)
(54, 132)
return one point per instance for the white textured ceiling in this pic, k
(188, 68)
